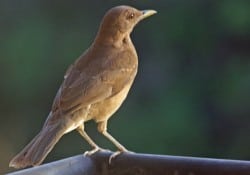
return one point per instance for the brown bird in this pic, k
(94, 87)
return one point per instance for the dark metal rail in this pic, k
(139, 164)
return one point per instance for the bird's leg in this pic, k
(102, 128)
(96, 148)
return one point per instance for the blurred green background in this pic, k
(191, 96)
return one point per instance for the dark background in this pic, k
(190, 98)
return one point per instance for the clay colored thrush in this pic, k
(94, 87)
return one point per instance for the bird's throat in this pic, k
(116, 40)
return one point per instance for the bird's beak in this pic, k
(147, 13)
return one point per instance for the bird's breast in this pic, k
(103, 110)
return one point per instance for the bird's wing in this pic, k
(81, 88)
(83, 91)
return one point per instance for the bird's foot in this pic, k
(93, 151)
(117, 153)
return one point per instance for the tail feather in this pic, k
(37, 150)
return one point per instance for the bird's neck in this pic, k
(115, 39)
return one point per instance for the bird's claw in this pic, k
(117, 153)
(93, 151)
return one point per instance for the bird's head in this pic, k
(120, 20)
(124, 18)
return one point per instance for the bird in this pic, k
(93, 88)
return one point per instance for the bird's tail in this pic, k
(37, 150)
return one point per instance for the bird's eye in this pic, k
(131, 16)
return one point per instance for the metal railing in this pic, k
(139, 164)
